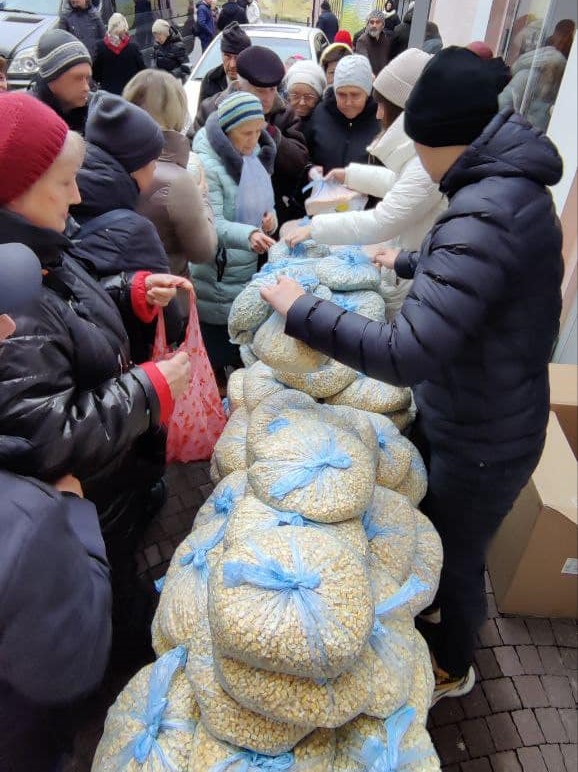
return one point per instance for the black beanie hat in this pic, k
(454, 99)
(261, 67)
(123, 130)
(234, 39)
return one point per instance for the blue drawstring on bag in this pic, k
(346, 302)
(224, 502)
(152, 718)
(249, 761)
(297, 586)
(388, 757)
(373, 530)
(353, 256)
(197, 557)
(383, 640)
(302, 473)
(159, 584)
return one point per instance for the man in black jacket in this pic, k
(56, 598)
(475, 334)
(327, 21)
(84, 22)
(233, 41)
(64, 77)
(231, 12)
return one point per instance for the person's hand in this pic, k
(260, 242)
(162, 287)
(269, 222)
(69, 484)
(177, 372)
(302, 233)
(336, 175)
(315, 173)
(283, 294)
(386, 258)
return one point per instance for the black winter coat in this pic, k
(67, 387)
(172, 57)
(125, 241)
(54, 616)
(213, 83)
(328, 23)
(475, 334)
(231, 12)
(86, 25)
(333, 140)
(114, 66)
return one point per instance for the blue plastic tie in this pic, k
(388, 757)
(224, 502)
(374, 531)
(249, 761)
(277, 424)
(159, 584)
(197, 557)
(302, 473)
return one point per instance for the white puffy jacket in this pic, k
(410, 203)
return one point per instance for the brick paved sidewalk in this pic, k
(520, 717)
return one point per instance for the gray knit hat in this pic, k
(58, 51)
(354, 70)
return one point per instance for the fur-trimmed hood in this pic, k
(233, 160)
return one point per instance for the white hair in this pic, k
(162, 26)
(117, 25)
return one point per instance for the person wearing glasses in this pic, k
(305, 84)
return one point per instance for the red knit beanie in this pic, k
(31, 137)
(343, 36)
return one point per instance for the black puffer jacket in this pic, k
(86, 25)
(214, 82)
(334, 141)
(172, 57)
(69, 397)
(54, 616)
(230, 12)
(476, 331)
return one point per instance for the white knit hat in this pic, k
(309, 73)
(162, 26)
(354, 70)
(397, 79)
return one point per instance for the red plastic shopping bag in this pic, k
(198, 417)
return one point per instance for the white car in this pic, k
(284, 39)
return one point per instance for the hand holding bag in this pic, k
(198, 417)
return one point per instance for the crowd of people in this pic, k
(115, 205)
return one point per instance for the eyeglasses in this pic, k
(307, 99)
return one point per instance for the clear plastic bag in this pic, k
(277, 349)
(327, 703)
(151, 725)
(303, 465)
(328, 197)
(374, 396)
(309, 249)
(226, 719)
(347, 269)
(329, 379)
(247, 355)
(260, 382)
(426, 562)
(235, 389)
(255, 197)
(390, 527)
(292, 600)
(313, 754)
(414, 484)
(183, 601)
(252, 516)
(394, 454)
(229, 454)
(365, 302)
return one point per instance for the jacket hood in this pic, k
(104, 185)
(46, 244)
(508, 147)
(393, 148)
(330, 102)
(176, 148)
(539, 59)
(230, 158)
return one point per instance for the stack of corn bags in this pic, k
(295, 593)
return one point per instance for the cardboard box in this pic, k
(533, 560)
(564, 400)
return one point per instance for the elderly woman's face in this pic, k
(350, 101)
(160, 37)
(302, 99)
(46, 203)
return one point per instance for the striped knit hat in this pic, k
(239, 108)
(58, 51)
